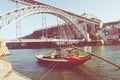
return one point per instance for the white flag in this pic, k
(88, 49)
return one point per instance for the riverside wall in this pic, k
(7, 73)
(3, 49)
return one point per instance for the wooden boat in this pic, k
(63, 62)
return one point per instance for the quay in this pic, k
(7, 73)
(53, 43)
(49, 43)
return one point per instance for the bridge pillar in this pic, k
(88, 37)
(3, 49)
(82, 27)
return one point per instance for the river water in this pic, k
(24, 62)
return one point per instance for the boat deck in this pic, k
(50, 59)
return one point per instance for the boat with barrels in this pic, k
(66, 60)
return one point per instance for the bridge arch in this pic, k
(12, 16)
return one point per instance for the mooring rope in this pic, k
(55, 64)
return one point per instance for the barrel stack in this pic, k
(3, 49)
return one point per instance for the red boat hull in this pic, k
(62, 63)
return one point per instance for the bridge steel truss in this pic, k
(37, 7)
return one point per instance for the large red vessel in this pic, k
(63, 62)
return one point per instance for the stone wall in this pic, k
(5, 69)
(6, 72)
(3, 49)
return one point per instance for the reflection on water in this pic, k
(24, 61)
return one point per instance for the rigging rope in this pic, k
(44, 25)
(59, 31)
(63, 30)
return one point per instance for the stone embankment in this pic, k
(6, 72)
(3, 49)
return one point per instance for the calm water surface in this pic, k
(24, 62)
